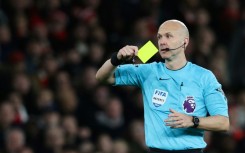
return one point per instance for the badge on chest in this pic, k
(159, 97)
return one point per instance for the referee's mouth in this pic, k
(164, 50)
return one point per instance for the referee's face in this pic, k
(171, 40)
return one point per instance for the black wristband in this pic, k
(114, 60)
(196, 121)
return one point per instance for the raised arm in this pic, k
(106, 71)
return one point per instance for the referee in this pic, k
(181, 99)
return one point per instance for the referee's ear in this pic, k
(186, 42)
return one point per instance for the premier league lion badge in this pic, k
(189, 104)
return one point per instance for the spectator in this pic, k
(21, 115)
(69, 124)
(137, 137)
(111, 119)
(54, 140)
(104, 143)
(120, 146)
(14, 140)
(7, 116)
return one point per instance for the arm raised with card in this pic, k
(106, 72)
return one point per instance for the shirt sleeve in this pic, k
(215, 99)
(128, 74)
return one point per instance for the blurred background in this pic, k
(50, 51)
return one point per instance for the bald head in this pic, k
(175, 25)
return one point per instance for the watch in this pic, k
(195, 120)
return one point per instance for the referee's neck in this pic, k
(176, 64)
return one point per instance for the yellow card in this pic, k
(147, 51)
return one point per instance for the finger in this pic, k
(176, 124)
(135, 49)
(172, 111)
(172, 119)
(129, 52)
(170, 124)
(173, 115)
(125, 53)
(168, 120)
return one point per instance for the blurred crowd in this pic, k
(50, 51)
